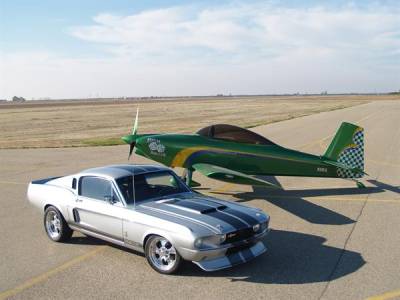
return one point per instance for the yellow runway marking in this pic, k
(339, 199)
(13, 182)
(378, 162)
(224, 188)
(385, 296)
(321, 141)
(367, 117)
(43, 277)
(232, 193)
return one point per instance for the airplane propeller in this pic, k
(135, 126)
(131, 147)
(131, 139)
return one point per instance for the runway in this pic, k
(329, 239)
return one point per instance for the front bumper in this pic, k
(232, 259)
(198, 255)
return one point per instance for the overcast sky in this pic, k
(99, 48)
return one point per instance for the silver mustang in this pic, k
(149, 209)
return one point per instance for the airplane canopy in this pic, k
(234, 134)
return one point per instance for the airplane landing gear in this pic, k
(359, 184)
(187, 177)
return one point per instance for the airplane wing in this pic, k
(227, 175)
(344, 166)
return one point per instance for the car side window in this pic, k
(95, 188)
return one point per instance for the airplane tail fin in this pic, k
(347, 148)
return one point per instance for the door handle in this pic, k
(78, 200)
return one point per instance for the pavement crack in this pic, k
(352, 230)
(344, 249)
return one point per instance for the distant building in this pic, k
(18, 99)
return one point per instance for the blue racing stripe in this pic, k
(234, 222)
(245, 217)
(235, 259)
(247, 254)
(193, 205)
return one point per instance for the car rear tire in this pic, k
(55, 225)
(162, 255)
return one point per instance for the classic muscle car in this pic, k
(150, 209)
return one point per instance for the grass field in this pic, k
(80, 123)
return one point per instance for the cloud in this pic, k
(246, 32)
(237, 48)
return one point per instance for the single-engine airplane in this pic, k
(236, 155)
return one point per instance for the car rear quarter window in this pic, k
(95, 188)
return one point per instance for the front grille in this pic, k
(235, 249)
(239, 235)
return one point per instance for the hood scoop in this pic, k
(194, 207)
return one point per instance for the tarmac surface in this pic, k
(329, 239)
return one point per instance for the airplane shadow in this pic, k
(385, 186)
(292, 258)
(293, 202)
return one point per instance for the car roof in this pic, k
(118, 171)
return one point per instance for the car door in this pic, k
(98, 207)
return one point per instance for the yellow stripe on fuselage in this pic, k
(181, 156)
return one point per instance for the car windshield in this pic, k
(150, 185)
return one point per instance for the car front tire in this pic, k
(55, 225)
(162, 255)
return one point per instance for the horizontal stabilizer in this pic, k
(345, 167)
(227, 175)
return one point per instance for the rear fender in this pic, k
(44, 195)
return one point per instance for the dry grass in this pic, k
(71, 124)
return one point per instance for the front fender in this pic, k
(150, 232)
(178, 235)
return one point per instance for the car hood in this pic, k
(192, 209)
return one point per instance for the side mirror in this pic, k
(109, 199)
(173, 182)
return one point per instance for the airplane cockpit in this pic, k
(233, 134)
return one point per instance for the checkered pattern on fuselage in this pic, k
(353, 157)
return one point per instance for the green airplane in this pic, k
(236, 155)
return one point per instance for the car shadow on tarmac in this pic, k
(82, 239)
(292, 258)
(86, 240)
(293, 202)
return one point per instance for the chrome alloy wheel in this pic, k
(162, 254)
(53, 224)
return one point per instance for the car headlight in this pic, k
(222, 238)
(264, 226)
(256, 227)
(209, 241)
(198, 243)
